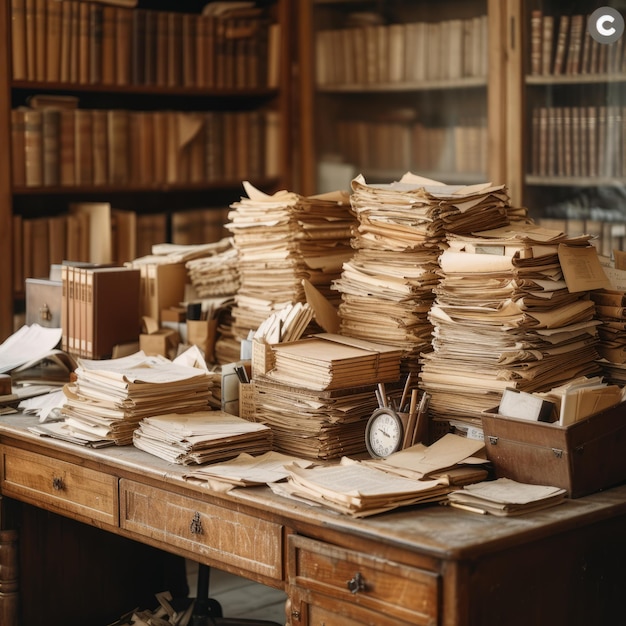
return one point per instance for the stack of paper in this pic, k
(512, 310)
(387, 286)
(314, 424)
(282, 240)
(201, 437)
(110, 397)
(329, 361)
(505, 497)
(216, 274)
(611, 311)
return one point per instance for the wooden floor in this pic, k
(240, 597)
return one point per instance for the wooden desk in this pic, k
(420, 565)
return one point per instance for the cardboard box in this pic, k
(262, 358)
(582, 458)
(161, 342)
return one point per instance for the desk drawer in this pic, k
(228, 536)
(59, 486)
(365, 588)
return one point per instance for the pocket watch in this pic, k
(384, 433)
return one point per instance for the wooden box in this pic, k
(582, 458)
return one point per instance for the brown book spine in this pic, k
(189, 54)
(117, 129)
(109, 58)
(18, 241)
(18, 39)
(146, 144)
(84, 63)
(67, 150)
(547, 37)
(134, 148)
(150, 48)
(138, 47)
(40, 248)
(561, 45)
(57, 238)
(174, 49)
(33, 148)
(31, 49)
(575, 45)
(95, 43)
(83, 146)
(74, 41)
(53, 41)
(100, 148)
(172, 171)
(40, 40)
(159, 154)
(66, 39)
(202, 56)
(51, 121)
(162, 23)
(123, 33)
(18, 155)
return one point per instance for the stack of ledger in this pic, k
(320, 392)
(110, 397)
(505, 497)
(282, 240)
(512, 310)
(201, 437)
(611, 311)
(387, 287)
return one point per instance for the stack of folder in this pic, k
(387, 287)
(110, 397)
(512, 310)
(201, 437)
(282, 240)
(611, 310)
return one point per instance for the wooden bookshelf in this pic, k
(113, 60)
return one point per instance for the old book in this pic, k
(57, 239)
(118, 146)
(123, 43)
(66, 40)
(39, 247)
(74, 42)
(98, 236)
(575, 46)
(18, 39)
(67, 149)
(561, 45)
(18, 156)
(100, 146)
(144, 122)
(151, 229)
(95, 42)
(106, 322)
(51, 128)
(189, 54)
(33, 147)
(138, 47)
(162, 24)
(159, 154)
(84, 63)
(150, 48)
(40, 40)
(123, 235)
(109, 48)
(174, 49)
(31, 49)
(18, 242)
(162, 286)
(53, 41)
(202, 52)
(535, 41)
(547, 41)
(83, 146)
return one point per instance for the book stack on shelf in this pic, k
(90, 43)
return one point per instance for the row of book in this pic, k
(562, 45)
(91, 43)
(578, 141)
(401, 145)
(100, 233)
(70, 147)
(402, 53)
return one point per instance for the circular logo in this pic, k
(606, 25)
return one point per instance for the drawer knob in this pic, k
(196, 525)
(356, 583)
(57, 483)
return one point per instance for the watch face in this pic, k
(384, 433)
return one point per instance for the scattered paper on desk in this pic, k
(27, 346)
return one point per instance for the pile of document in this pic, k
(201, 437)
(110, 397)
(283, 239)
(314, 424)
(215, 274)
(360, 488)
(505, 497)
(387, 287)
(611, 311)
(512, 310)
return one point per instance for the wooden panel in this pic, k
(230, 537)
(395, 591)
(59, 486)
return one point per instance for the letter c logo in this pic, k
(606, 25)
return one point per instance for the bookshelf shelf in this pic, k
(426, 85)
(208, 105)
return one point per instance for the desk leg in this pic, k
(9, 568)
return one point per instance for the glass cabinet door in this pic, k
(391, 87)
(573, 117)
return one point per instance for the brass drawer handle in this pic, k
(57, 483)
(356, 583)
(196, 525)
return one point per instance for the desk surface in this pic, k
(429, 537)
